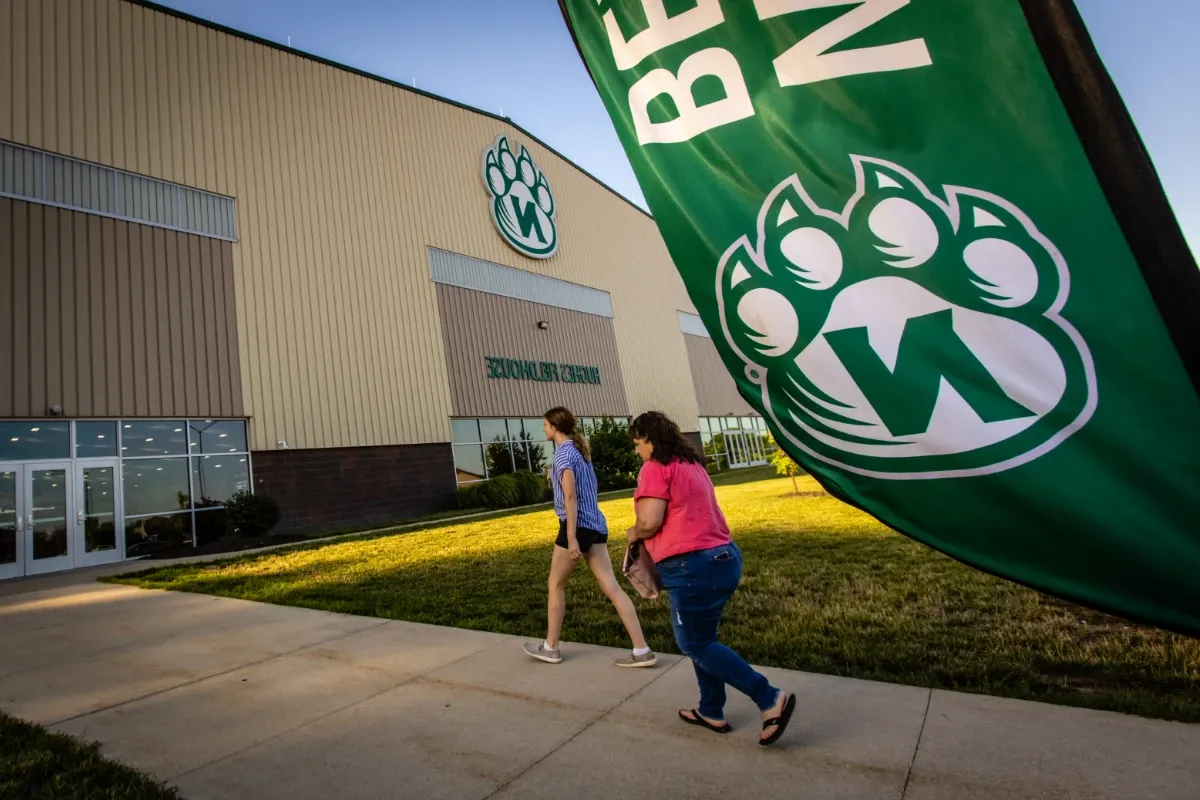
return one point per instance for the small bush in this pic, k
(521, 488)
(248, 514)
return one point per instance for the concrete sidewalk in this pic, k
(231, 699)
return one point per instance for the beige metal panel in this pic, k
(341, 183)
(716, 393)
(109, 318)
(476, 325)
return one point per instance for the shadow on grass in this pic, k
(869, 604)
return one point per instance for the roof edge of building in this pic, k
(216, 26)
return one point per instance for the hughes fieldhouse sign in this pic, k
(545, 371)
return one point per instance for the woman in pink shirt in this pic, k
(700, 567)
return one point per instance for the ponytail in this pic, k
(563, 421)
(581, 445)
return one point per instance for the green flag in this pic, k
(931, 250)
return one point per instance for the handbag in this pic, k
(639, 568)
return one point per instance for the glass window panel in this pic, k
(8, 517)
(492, 430)
(208, 437)
(210, 525)
(533, 430)
(155, 486)
(704, 425)
(747, 424)
(499, 459)
(99, 508)
(718, 442)
(34, 440)
(468, 462)
(153, 438)
(520, 455)
(95, 439)
(48, 513)
(154, 534)
(541, 456)
(514, 430)
(215, 479)
(730, 423)
(465, 430)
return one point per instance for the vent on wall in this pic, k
(50, 179)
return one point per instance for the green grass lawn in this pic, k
(826, 589)
(38, 765)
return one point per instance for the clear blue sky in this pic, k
(468, 50)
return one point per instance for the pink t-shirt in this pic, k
(693, 520)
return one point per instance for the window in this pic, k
(485, 448)
(35, 440)
(95, 439)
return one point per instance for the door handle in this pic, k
(79, 517)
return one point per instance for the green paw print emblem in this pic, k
(909, 335)
(522, 203)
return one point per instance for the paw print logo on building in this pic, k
(909, 335)
(522, 203)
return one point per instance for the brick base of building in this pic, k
(355, 486)
(695, 441)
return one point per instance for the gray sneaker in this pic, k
(637, 662)
(543, 653)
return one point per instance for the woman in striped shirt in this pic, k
(582, 533)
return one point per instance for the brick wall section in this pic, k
(354, 486)
(695, 441)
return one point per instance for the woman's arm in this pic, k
(571, 504)
(650, 514)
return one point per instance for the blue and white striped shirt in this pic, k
(567, 456)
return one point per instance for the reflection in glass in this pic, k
(49, 513)
(209, 437)
(155, 486)
(34, 440)
(152, 534)
(95, 439)
(534, 431)
(210, 526)
(468, 462)
(99, 509)
(8, 517)
(153, 438)
(465, 431)
(215, 479)
(492, 430)
(499, 459)
(704, 425)
(541, 455)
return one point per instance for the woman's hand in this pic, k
(573, 548)
(632, 534)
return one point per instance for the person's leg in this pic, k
(599, 560)
(560, 569)
(699, 590)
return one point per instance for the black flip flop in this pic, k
(779, 723)
(696, 719)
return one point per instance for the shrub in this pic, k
(613, 457)
(521, 488)
(248, 514)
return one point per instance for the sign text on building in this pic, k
(548, 371)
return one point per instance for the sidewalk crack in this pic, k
(912, 764)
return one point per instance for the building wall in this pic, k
(477, 325)
(341, 181)
(111, 318)
(320, 489)
(716, 392)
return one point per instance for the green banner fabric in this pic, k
(931, 250)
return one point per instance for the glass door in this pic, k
(47, 518)
(12, 516)
(99, 524)
(735, 444)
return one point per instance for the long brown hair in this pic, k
(669, 443)
(563, 421)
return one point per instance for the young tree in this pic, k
(785, 466)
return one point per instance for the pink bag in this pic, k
(639, 569)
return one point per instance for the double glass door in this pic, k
(59, 515)
(744, 449)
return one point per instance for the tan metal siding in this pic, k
(341, 183)
(109, 318)
(476, 325)
(716, 393)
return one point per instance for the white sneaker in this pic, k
(543, 653)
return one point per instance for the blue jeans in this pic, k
(699, 585)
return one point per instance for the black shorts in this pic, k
(586, 537)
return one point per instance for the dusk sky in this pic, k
(470, 51)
